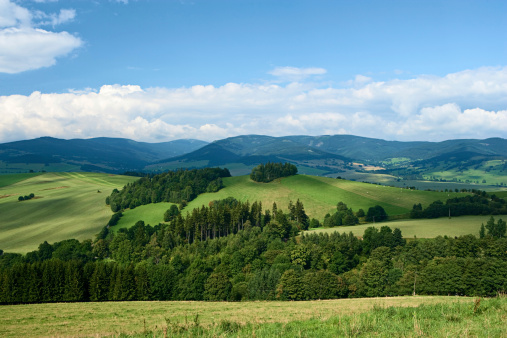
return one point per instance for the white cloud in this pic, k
(53, 19)
(296, 74)
(467, 104)
(25, 47)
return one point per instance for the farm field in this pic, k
(66, 205)
(422, 228)
(318, 194)
(420, 315)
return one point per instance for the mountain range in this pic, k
(327, 153)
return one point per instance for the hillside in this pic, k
(318, 194)
(97, 154)
(66, 205)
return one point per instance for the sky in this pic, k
(154, 71)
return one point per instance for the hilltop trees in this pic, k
(270, 171)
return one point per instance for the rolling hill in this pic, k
(318, 194)
(66, 205)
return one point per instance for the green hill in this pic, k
(66, 205)
(318, 194)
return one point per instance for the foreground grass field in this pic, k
(422, 228)
(318, 194)
(66, 205)
(400, 316)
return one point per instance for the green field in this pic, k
(490, 172)
(6, 180)
(152, 214)
(13, 168)
(318, 194)
(399, 316)
(422, 228)
(66, 205)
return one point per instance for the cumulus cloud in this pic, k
(24, 46)
(467, 104)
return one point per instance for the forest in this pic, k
(262, 255)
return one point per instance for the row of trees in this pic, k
(270, 171)
(26, 197)
(480, 203)
(179, 186)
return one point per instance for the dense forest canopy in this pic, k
(173, 186)
(271, 171)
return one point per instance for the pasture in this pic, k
(401, 316)
(66, 205)
(422, 228)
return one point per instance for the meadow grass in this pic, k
(66, 205)
(9, 179)
(152, 214)
(422, 228)
(398, 316)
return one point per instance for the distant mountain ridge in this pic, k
(98, 154)
(325, 153)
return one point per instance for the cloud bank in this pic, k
(466, 104)
(26, 46)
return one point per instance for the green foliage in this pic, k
(173, 186)
(496, 229)
(270, 171)
(480, 203)
(376, 214)
(171, 213)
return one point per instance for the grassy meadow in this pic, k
(398, 316)
(422, 228)
(66, 205)
(318, 194)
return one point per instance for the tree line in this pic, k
(179, 186)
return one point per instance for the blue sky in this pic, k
(162, 70)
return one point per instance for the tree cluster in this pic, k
(342, 216)
(174, 186)
(26, 197)
(270, 171)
